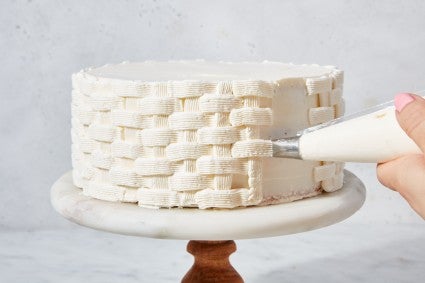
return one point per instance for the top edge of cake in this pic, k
(200, 70)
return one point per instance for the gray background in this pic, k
(380, 47)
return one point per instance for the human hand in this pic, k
(406, 174)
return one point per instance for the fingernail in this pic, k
(401, 100)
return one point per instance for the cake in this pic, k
(199, 134)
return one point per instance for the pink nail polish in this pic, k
(401, 100)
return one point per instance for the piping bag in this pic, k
(373, 135)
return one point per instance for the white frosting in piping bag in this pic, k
(375, 137)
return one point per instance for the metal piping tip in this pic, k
(287, 148)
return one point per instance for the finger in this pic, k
(382, 171)
(406, 175)
(411, 116)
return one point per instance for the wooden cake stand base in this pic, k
(212, 262)
(210, 246)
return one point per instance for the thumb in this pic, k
(411, 116)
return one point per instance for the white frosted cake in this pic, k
(198, 134)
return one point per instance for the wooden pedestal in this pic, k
(212, 263)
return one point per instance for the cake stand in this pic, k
(211, 232)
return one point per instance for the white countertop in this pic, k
(345, 252)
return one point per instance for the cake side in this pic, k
(170, 143)
(305, 103)
(197, 143)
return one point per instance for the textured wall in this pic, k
(380, 46)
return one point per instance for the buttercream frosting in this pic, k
(198, 134)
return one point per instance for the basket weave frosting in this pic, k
(185, 143)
